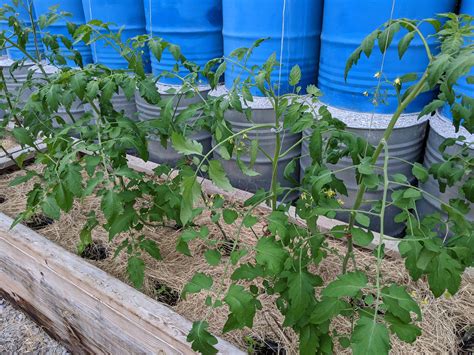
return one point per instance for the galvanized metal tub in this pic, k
(127, 106)
(77, 110)
(262, 113)
(407, 143)
(159, 153)
(16, 79)
(441, 128)
(120, 103)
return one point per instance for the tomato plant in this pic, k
(86, 155)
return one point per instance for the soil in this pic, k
(445, 320)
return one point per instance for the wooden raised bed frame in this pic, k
(88, 310)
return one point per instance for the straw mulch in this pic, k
(444, 319)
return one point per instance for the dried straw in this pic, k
(444, 318)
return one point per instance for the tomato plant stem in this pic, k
(386, 137)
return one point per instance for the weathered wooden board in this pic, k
(6, 159)
(82, 306)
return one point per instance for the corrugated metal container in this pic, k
(441, 128)
(298, 21)
(158, 153)
(15, 82)
(122, 104)
(195, 26)
(346, 24)
(23, 15)
(59, 27)
(406, 143)
(262, 113)
(127, 15)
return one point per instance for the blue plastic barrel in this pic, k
(346, 23)
(24, 17)
(467, 7)
(127, 15)
(3, 27)
(195, 26)
(462, 87)
(74, 7)
(246, 21)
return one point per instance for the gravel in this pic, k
(376, 121)
(444, 127)
(20, 335)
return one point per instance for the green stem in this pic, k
(386, 137)
(274, 184)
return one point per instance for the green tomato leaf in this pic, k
(295, 75)
(191, 190)
(420, 172)
(151, 248)
(327, 309)
(405, 332)
(271, 255)
(247, 272)
(22, 179)
(362, 237)
(111, 205)
(370, 338)
(23, 136)
(213, 257)
(201, 340)
(198, 283)
(185, 146)
(218, 175)
(362, 219)
(136, 271)
(230, 216)
(347, 285)
(51, 208)
(242, 305)
(400, 303)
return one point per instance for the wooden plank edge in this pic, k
(324, 224)
(15, 152)
(81, 305)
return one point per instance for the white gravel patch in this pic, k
(20, 335)
(444, 127)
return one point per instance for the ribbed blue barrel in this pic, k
(467, 7)
(195, 26)
(127, 15)
(3, 27)
(24, 17)
(74, 7)
(299, 21)
(346, 23)
(462, 87)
